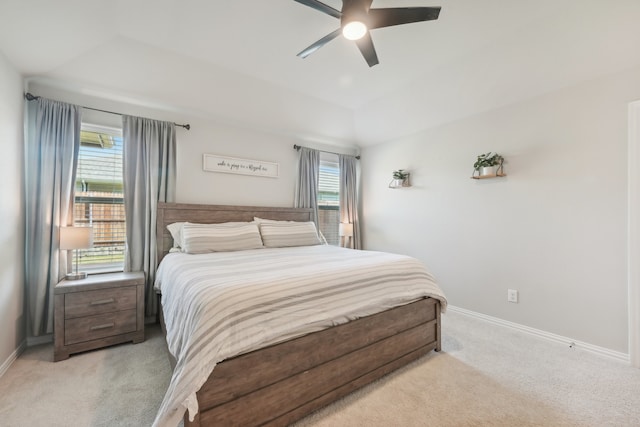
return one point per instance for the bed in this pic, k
(284, 381)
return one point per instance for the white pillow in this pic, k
(323, 241)
(228, 236)
(176, 233)
(260, 220)
(281, 234)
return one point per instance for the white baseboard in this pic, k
(12, 358)
(601, 351)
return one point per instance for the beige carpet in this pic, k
(118, 386)
(486, 375)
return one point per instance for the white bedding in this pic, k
(220, 305)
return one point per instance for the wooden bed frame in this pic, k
(280, 384)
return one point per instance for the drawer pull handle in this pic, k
(105, 326)
(103, 301)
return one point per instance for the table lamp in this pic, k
(74, 238)
(345, 229)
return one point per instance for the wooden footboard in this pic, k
(278, 385)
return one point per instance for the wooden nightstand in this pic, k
(101, 310)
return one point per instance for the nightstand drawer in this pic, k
(90, 303)
(95, 327)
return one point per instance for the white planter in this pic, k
(488, 170)
(397, 182)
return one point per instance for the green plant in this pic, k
(400, 174)
(488, 159)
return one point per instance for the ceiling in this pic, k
(236, 60)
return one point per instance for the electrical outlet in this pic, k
(512, 295)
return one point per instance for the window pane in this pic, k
(329, 184)
(99, 200)
(329, 198)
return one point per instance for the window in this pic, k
(329, 198)
(99, 200)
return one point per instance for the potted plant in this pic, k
(399, 177)
(488, 163)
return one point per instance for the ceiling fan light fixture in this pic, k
(354, 30)
(357, 18)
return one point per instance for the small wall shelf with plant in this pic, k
(488, 165)
(400, 179)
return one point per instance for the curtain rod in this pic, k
(31, 97)
(298, 147)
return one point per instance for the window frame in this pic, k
(104, 267)
(331, 208)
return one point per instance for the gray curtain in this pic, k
(149, 169)
(307, 184)
(349, 196)
(51, 159)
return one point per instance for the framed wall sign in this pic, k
(215, 163)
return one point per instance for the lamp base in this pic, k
(76, 276)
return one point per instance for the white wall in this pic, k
(555, 228)
(12, 332)
(196, 186)
(215, 136)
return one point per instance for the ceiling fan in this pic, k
(357, 18)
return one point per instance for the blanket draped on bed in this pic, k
(220, 305)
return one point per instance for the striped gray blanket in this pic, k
(220, 305)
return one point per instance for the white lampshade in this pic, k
(345, 229)
(76, 237)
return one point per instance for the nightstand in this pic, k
(101, 310)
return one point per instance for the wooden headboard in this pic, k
(169, 213)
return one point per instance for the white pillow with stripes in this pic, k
(286, 234)
(323, 241)
(224, 237)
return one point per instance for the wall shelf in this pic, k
(498, 175)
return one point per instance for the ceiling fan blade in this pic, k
(365, 44)
(362, 5)
(387, 17)
(317, 45)
(314, 4)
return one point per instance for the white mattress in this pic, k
(223, 304)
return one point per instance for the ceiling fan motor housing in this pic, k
(355, 10)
